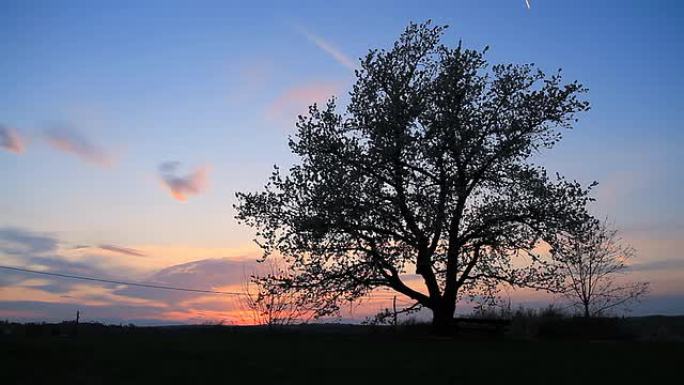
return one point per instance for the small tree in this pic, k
(429, 172)
(591, 258)
(264, 306)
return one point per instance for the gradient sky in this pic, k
(127, 127)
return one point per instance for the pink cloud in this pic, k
(73, 142)
(10, 140)
(296, 100)
(182, 186)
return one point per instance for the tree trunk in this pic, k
(443, 319)
(586, 310)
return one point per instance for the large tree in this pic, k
(428, 171)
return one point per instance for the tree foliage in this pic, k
(425, 183)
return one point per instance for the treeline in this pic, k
(553, 322)
(550, 323)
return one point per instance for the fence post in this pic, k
(78, 317)
(394, 311)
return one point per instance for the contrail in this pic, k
(327, 48)
(527, 2)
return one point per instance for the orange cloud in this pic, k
(73, 142)
(295, 100)
(182, 186)
(10, 140)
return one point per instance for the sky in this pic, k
(127, 127)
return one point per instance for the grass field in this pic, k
(223, 355)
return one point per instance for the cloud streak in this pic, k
(204, 274)
(38, 297)
(10, 140)
(16, 241)
(659, 265)
(328, 48)
(73, 142)
(21, 247)
(122, 250)
(182, 186)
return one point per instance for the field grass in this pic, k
(223, 355)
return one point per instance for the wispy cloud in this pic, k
(327, 47)
(25, 248)
(122, 250)
(20, 242)
(71, 141)
(182, 186)
(206, 274)
(295, 100)
(663, 264)
(10, 140)
(43, 297)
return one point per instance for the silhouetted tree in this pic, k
(428, 171)
(262, 305)
(591, 259)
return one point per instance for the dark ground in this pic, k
(49, 354)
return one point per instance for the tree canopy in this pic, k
(425, 183)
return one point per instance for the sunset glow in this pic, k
(126, 132)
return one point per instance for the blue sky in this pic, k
(102, 95)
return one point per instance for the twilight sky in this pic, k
(126, 129)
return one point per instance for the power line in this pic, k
(138, 284)
(153, 286)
